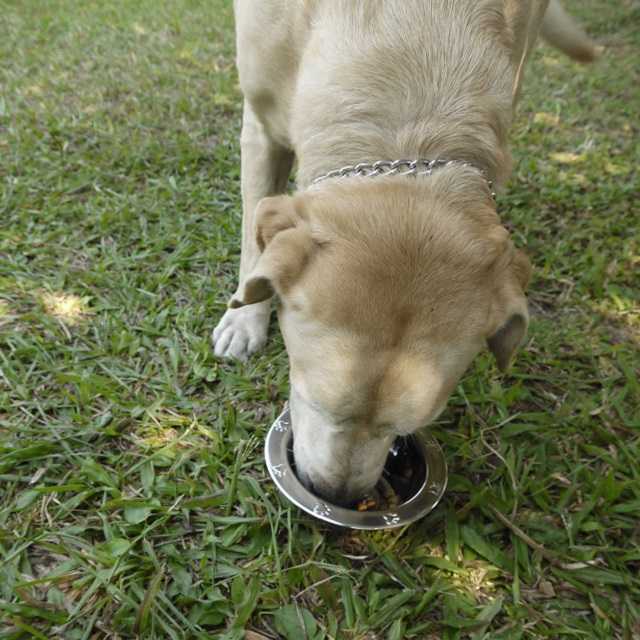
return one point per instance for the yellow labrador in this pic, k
(390, 276)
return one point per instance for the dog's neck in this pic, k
(335, 147)
(368, 98)
(416, 168)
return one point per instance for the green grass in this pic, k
(134, 500)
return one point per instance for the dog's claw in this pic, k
(240, 333)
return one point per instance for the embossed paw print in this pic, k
(321, 509)
(435, 489)
(278, 470)
(283, 422)
(391, 518)
(280, 426)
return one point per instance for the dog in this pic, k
(389, 264)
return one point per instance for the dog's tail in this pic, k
(560, 30)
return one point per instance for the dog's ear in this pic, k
(510, 317)
(284, 239)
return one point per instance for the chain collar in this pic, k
(418, 167)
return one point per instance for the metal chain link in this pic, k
(418, 167)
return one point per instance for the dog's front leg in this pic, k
(265, 168)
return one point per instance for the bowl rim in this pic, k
(421, 503)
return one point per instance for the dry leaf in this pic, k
(546, 589)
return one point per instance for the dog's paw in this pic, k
(241, 332)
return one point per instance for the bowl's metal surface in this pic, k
(279, 440)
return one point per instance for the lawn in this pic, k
(134, 499)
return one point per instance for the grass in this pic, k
(134, 500)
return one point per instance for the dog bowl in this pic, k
(418, 494)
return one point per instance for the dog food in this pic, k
(384, 497)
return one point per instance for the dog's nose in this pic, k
(304, 479)
(337, 496)
(340, 496)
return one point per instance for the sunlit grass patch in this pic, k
(477, 579)
(551, 119)
(566, 157)
(67, 307)
(168, 433)
(165, 429)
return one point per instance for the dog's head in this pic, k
(387, 290)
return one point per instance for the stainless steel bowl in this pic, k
(418, 496)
